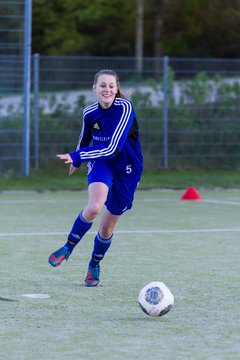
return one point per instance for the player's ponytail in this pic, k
(113, 73)
(120, 94)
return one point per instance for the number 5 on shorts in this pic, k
(128, 169)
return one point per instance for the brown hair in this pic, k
(113, 73)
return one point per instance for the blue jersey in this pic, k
(110, 134)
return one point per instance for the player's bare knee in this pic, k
(105, 232)
(94, 209)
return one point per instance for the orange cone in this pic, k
(191, 194)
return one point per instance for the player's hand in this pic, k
(72, 170)
(66, 157)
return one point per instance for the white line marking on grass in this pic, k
(36, 296)
(167, 231)
(222, 202)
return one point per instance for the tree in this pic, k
(83, 27)
(139, 35)
(202, 28)
(222, 29)
(158, 16)
(107, 27)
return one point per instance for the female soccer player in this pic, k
(114, 168)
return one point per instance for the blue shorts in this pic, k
(122, 186)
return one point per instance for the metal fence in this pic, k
(15, 69)
(187, 109)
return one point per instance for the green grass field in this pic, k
(192, 246)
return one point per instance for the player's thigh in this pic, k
(99, 180)
(97, 195)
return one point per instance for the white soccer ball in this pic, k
(155, 299)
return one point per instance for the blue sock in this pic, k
(99, 250)
(79, 229)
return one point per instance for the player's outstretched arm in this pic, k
(66, 157)
(68, 160)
